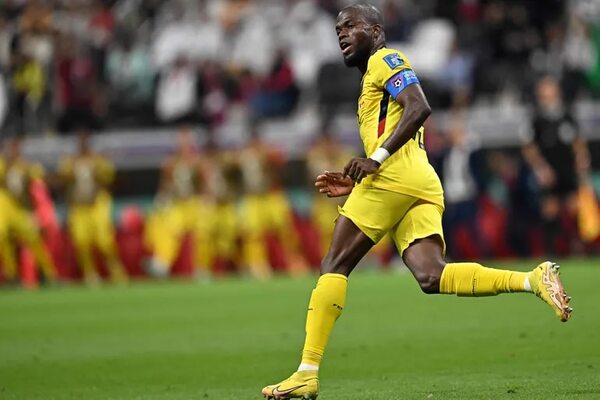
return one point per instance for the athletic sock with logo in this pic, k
(472, 279)
(325, 307)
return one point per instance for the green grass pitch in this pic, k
(227, 339)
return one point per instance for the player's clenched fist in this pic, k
(359, 168)
(334, 184)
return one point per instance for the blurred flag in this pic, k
(589, 213)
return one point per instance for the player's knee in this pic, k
(427, 272)
(429, 282)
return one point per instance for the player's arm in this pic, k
(541, 169)
(582, 154)
(406, 90)
(106, 172)
(416, 111)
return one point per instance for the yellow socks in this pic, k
(329, 298)
(472, 279)
(325, 307)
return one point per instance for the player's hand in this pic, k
(334, 184)
(359, 168)
(545, 176)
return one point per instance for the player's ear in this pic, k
(377, 32)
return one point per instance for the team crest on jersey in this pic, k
(393, 60)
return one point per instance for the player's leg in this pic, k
(104, 237)
(282, 221)
(255, 220)
(28, 232)
(366, 217)
(348, 247)
(225, 235)
(166, 232)
(204, 212)
(421, 244)
(7, 250)
(81, 230)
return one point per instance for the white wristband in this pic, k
(380, 155)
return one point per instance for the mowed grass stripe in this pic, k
(227, 339)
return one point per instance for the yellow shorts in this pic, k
(265, 212)
(407, 218)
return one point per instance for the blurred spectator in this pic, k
(196, 37)
(36, 33)
(249, 41)
(458, 76)
(7, 35)
(18, 225)
(222, 189)
(179, 213)
(556, 155)
(265, 210)
(277, 93)
(79, 95)
(460, 188)
(176, 96)
(239, 42)
(325, 154)
(3, 100)
(310, 40)
(398, 24)
(101, 28)
(578, 56)
(131, 78)
(86, 177)
(29, 85)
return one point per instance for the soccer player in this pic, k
(219, 170)
(393, 190)
(180, 210)
(17, 219)
(265, 209)
(86, 177)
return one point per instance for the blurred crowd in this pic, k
(222, 210)
(86, 66)
(99, 64)
(215, 211)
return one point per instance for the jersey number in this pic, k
(418, 137)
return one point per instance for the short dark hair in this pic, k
(368, 11)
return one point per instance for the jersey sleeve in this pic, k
(106, 170)
(393, 72)
(65, 169)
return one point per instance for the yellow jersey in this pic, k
(408, 170)
(16, 178)
(85, 176)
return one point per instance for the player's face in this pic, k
(548, 93)
(355, 36)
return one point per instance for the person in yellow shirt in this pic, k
(220, 172)
(325, 154)
(393, 190)
(179, 210)
(86, 178)
(18, 224)
(265, 209)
